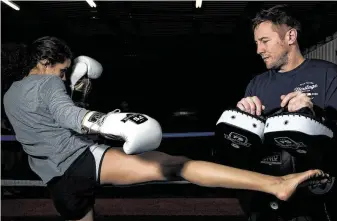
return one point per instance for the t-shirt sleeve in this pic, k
(53, 93)
(250, 89)
(331, 107)
(331, 94)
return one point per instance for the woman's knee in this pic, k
(163, 165)
(120, 168)
(172, 166)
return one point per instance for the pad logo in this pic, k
(237, 139)
(135, 118)
(275, 159)
(287, 143)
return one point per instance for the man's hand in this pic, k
(296, 100)
(251, 105)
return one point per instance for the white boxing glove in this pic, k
(140, 132)
(84, 65)
(84, 69)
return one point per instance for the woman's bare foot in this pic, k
(289, 183)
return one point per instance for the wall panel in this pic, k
(326, 51)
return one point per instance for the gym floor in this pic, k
(118, 209)
(146, 202)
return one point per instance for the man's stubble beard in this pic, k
(282, 61)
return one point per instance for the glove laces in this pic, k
(101, 120)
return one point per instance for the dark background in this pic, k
(152, 54)
(151, 49)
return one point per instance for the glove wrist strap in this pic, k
(92, 122)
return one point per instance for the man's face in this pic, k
(270, 46)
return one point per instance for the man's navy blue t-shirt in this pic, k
(316, 78)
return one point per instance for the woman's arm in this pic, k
(53, 93)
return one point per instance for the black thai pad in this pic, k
(239, 133)
(299, 133)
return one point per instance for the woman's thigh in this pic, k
(121, 169)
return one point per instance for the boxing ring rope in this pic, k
(165, 135)
(38, 183)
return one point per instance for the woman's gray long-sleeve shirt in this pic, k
(47, 124)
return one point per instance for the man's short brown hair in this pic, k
(278, 15)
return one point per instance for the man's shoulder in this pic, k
(319, 63)
(262, 76)
(320, 67)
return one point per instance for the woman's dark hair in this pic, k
(278, 15)
(51, 49)
(18, 59)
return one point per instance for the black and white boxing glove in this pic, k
(84, 69)
(140, 132)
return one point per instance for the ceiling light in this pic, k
(198, 3)
(91, 3)
(11, 4)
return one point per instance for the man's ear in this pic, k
(291, 36)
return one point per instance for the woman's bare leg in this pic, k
(119, 168)
(214, 175)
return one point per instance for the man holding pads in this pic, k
(50, 128)
(294, 84)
